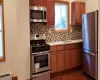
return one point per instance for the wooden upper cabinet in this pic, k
(77, 12)
(82, 9)
(50, 12)
(78, 8)
(42, 2)
(60, 60)
(33, 2)
(38, 2)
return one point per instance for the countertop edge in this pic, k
(57, 44)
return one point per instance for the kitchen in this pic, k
(17, 33)
(50, 25)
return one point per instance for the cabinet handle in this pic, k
(93, 54)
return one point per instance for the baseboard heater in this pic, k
(6, 77)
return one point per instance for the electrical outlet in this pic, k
(71, 30)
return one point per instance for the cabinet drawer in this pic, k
(53, 53)
(60, 48)
(72, 46)
(52, 48)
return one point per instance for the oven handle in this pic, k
(41, 53)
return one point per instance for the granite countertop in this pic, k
(64, 42)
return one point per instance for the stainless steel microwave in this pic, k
(38, 14)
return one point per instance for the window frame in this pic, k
(65, 2)
(3, 33)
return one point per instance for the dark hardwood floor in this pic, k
(77, 75)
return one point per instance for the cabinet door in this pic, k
(79, 57)
(77, 13)
(53, 62)
(50, 12)
(42, 2)
(60, 60)
(33, 2)
(77, 8)
(76, 58)
(82, 9)
(73, 13)
(67, 59)
(73, 57)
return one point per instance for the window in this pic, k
(2, 50)
(62, 16)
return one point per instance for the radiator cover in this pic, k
(6, 77)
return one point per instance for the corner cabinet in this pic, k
(77, 9)
(50, 12)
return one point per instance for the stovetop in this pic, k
(39, 46)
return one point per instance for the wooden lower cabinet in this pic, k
(60, 60)
(53, 62)
(76, 58)
(79, 57)
(67, 58)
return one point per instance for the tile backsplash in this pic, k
(52, 36)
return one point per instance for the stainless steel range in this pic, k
(40, 60)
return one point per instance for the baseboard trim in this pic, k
(15, 78)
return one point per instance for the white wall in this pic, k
(91, 5)
(24, 39)
(17, 36)
(11, 37)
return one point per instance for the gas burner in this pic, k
(39, 46)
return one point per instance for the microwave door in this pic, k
(36, 16)
(44, 16)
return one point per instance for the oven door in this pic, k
(40, 62)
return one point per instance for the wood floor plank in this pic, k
(78, 75)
